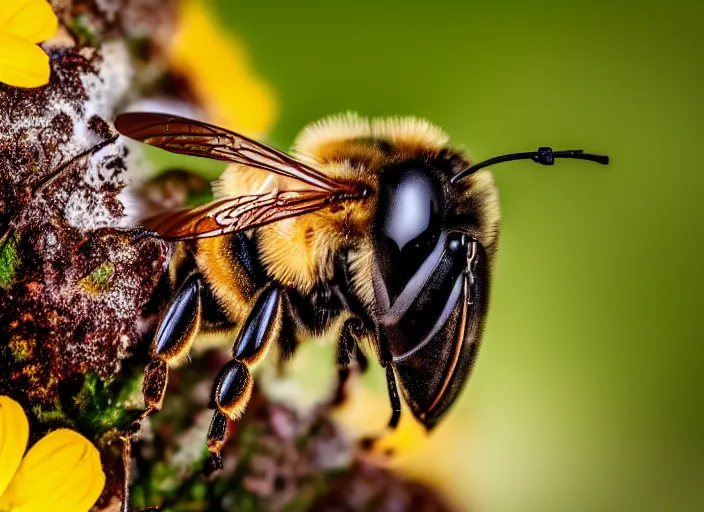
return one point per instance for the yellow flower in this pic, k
(217, 68)
(23, 24)
(61, 473)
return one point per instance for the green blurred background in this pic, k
(587, 394)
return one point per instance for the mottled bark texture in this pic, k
(74, 291)
(80, 295)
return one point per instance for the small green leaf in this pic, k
(99, 280)
(9, 261)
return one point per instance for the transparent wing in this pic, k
(236, 214)
(195, 138)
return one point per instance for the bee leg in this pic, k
(347, 348)
(341, 390)
(394, 398)
(173, 338)
(231, 394)
(362, 361)
(368, 443)
(216, 441)
(172, 342)
(156, 378)
(234, 384)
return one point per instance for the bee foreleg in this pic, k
(394, 398)
(216, 440)
(156, 377)
(368, 443)
(172, 342)
(234, 384)
(348, 348)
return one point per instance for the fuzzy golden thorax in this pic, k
(300, 252)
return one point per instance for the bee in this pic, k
(377, 232)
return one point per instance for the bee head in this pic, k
(421, 281)
(431, 279)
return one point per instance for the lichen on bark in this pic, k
(62, 168)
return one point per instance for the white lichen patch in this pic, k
(67, 122)
(83, 211)
(111, 83)
(104, 91)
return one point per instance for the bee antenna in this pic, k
(544, 156)
(45, 181)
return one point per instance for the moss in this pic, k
(88, 392)
(199, 491)
(102, 405)
(299, 504)
(9, 261)
(55, 415)
(159, 482)
(99, 280)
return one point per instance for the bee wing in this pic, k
(189, 137)
(236, 214)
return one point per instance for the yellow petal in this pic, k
(32, 20)
(61, 473)
(22, 64)
(14, 431)
(218, 68)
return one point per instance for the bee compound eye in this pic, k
(407, 225)
(233, 387)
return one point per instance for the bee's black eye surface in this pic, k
(407, 225)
